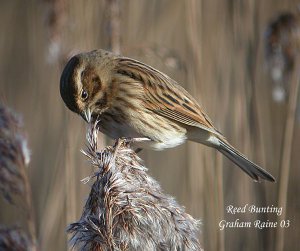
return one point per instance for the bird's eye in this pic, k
(84, 95)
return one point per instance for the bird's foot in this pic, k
(134, 140)
(129, 140)
(138, 150)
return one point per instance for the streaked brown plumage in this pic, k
(132, 99)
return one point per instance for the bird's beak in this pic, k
(87, 115)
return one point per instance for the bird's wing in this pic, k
(166, 97)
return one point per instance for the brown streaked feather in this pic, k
(165, 96)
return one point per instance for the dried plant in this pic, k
(113, 22)
(14, 157)
(55, 21)
(282, 42)
(14, 154)
(282, 50)
(126, 208)
(14, 239)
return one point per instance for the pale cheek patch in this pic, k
(78, 83)
(77, 78)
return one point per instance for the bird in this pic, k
(131, 99)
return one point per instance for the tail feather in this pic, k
(253, 170)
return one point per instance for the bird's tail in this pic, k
(253, 170)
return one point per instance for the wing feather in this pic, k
(165, 96)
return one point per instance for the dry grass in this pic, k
(14, 238)
(14, 158)
(127, 209)
(283, 57)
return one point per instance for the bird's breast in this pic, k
(162, 132)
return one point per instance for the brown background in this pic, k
(213, 48)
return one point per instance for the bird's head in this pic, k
(85, 83)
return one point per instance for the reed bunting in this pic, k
(132, 99)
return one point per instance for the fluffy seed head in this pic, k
(127, 209)
(282, 43)
(14, 154)
(14, 238)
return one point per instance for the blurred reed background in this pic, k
(215, 50)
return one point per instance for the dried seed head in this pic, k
(14, 154)
(127, 209)
(282, 44)
(14, 239)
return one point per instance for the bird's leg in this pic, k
(129, 140)
(134, 140)
(138, 150)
